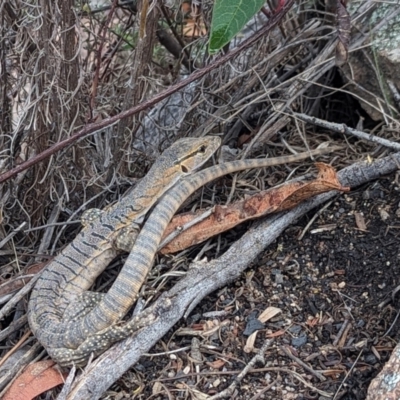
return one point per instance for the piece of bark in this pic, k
(223, 218)
(386, 385)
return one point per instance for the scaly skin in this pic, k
(115, 304)
(58, 292)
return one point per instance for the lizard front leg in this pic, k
(125, 237)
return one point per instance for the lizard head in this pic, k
(185, 156)
(181, 159)
(191, 153)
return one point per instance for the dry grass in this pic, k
(63, 68)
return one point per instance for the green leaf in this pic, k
(229, 17)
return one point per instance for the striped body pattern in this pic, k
(92, 329)
(59, 302)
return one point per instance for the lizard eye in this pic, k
(202, 149)
(184, 169)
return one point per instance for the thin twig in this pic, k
(12, 234)
(348, 373)
(302, 364)
(15, 348)
(343, 128)
(259, 357)
(91, 128)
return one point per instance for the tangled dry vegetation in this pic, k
(65, 67)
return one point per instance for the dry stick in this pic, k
(18, 296)
(302, 363)
(146, 17)
(343, 128)
(13, 327)
(392, 325)
(264, 390)
(49, 231)
(348, 374)
(183, 50)
(259, 357)
(203, 279)
(341, 331)
(12, 234)
(68, 383)
(312, 219)
(175, 233)
(91, 128)
(16, 347)
(395, 93)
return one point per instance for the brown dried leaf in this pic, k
(217, 364)
(226, 217)
(194, 26)
(325, 181)
(19, 281)
(36, 379)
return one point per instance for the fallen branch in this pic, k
(204, 278)
(343, 128)
(222, 218)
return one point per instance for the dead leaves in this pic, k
(36, 379)
(223, 218)
(194, 25)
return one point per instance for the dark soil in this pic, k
(335, 289)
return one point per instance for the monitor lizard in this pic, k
(93, 323)
(75, 269)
